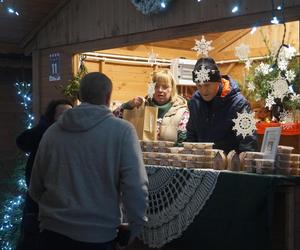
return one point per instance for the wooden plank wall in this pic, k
(82, 21)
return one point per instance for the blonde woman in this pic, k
(173, 113)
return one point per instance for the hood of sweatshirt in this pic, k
(83, 117)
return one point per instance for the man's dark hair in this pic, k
(51, 109)
(95, 88)
(209, 63)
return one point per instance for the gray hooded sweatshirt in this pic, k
(87, 162)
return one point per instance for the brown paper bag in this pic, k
(144, 119)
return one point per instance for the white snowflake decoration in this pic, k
(151, 89)
(280, 87)
(242, 52)
(286, 116)
(263, 68)
(152, 57)
(244, 124)
(282, 64)
(290, 75)
(269, 102)
(248, 64)
(202, 47)
(287, 53)
(202, 75)
(251, 86)
(295, 97)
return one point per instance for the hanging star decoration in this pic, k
(242, 52)
(202, 47)
(151, 89)
(244, 124)
(152, 57)
(202, 75)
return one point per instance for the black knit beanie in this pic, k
(209, 64)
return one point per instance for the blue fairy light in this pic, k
(235, 9)
(11, 209)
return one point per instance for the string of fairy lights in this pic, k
(11, 209)
(9, 8)
(277, 16)
(147, 7)
(24, 91)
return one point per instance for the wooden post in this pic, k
(101, 66)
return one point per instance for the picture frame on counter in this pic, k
(270, 142)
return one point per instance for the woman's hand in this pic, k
(136, 102)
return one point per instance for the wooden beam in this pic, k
(144, 49)
(226, 39)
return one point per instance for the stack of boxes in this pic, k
(285, 162)
(191, 155)
(202, 155)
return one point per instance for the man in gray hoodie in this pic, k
(87, 163)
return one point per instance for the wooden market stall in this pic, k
(130, 67)
(116, 28)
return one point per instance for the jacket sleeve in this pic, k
(190, 129)
(133, 182)
(249, 143)
(36, 187)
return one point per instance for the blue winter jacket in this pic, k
(212, 121)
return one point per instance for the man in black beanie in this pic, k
(214, 106)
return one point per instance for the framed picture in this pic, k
(270, 142)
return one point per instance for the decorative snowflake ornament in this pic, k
(283, 64)
(290, 75)
(202, 75)
(152, 57)
(287, 53)
(244, 124)
(295, 97)
(202, 47)
(263, 68)
(280, 87)
(242, 52)
(270, 102)
(151, 89)
(248, 64)
(251, 86)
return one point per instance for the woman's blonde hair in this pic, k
(166, 77)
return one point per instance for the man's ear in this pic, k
(107, 99)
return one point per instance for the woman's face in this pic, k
(60, 109)
(162, 93)
(208, 91)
